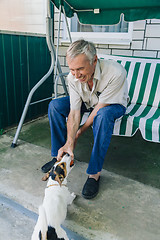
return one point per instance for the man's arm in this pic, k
(72, 127)
(90, 119)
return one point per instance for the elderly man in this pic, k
(96, 86)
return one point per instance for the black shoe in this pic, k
(91, 188)
(46, 167)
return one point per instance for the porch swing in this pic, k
(144, 115)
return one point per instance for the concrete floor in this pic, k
(132, 157)
(12, 219)
(128, 205)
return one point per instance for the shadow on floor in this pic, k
(133, 157)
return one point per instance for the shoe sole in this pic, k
(90, 197)
(46, 167)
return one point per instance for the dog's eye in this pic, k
(59, 170)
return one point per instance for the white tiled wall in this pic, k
(23, 16)
(145, 41)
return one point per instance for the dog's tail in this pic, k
(40, 229)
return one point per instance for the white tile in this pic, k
(103, 51)
(151, 54)
(138, 35)
(101, 46)
(137, 45)
(139, 25)
(122, 52)
(155, 21)
(56, 17)
(152, 30)
(56, 33)
(153, 44)
(116, 46)
(65, 69)
(61, 60)
(56, 26)
(60, 89)
(62, 50)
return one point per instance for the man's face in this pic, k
(81, 68)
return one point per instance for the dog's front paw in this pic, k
(73, 195)
(71, 198)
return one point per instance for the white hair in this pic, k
(82, 47)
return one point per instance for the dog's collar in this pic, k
(52, 185)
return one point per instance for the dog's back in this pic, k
(55, 203)
(42, 231)
(53, 211)
(41, 226)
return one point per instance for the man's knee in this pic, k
(105, 113)
(59, 105)
(53, 105)
(110, 113)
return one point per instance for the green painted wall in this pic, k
(23, 62)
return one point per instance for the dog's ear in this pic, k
(57, 178)
(46, 176)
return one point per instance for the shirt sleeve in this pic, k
(75, 98)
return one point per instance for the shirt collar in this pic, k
(97, 74)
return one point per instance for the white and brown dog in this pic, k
(53, 211)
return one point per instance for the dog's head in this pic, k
(61, 169)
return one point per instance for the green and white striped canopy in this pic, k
(106, 12)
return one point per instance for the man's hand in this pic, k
(72, 127)
(67, 148)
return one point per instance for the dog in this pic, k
(53, 211)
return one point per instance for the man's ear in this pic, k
(95, 59)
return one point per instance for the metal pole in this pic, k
(69, 34)
(59, 25)
(48, 39)
(56, 83)
(60, 73)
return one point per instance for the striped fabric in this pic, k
(143, 110)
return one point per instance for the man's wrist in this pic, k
(70, 142)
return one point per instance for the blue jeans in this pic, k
(103, 125)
